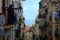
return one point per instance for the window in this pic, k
(44, 15)
(40, 16)
(7, 3)
(56, 19)
(50, 18)
(59, 13)
(56, 14)
(46, 11)
(40, 4)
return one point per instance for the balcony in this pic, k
(57, 0)
(40, 16)
(8, 26)
(54, 0)
(44, 3)
(57, 6)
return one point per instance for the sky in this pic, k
(30, 10)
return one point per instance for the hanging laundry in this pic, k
(2, 19)
(2, 23)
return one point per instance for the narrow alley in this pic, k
(29, 19)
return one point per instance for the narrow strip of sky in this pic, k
(30, 9)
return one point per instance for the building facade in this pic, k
(49, 16)
(10, 29)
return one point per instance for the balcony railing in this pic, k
(57, 0)
(44, 3)
(54, 0)
(8, 26)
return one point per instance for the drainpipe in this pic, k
(53, 21)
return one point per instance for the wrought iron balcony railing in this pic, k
(44, 3)
(54, 0)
